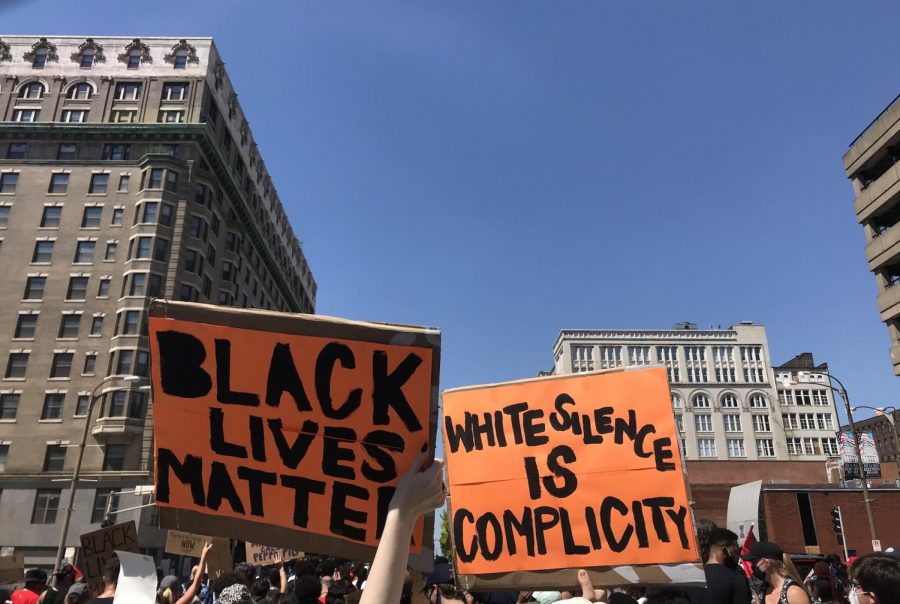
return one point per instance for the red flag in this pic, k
(749, 540)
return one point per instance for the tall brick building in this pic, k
(127, 171)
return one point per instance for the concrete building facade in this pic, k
(871, 165)
(127, 171)
(724, 393)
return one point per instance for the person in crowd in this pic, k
(822, 592)
(704, 527)
(308, 588)
(109, 580)
(35, 585)
(224, 581)
(875, 579)
(260, 589)
(724, 583)
(170, 591)
(77, 593)
(783, 584)
(822, 571)
(418, 491)
(235, 594)
(65, 577)
(338, 591)
(246, 572)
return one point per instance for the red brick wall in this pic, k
(733, 472)
(782, 515)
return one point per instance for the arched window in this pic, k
(701, 401)
(32, 90)
(729, 401)
(80, 91)
(677, 403)
(758, 401)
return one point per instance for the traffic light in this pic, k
(836, 524)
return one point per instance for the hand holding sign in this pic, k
(419, 491)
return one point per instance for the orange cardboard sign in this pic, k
(579, 471)
(306, 429)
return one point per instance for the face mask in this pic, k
(759, 574)
(729, 562)
(854, 597)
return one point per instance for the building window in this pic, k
(679, 422)
(794, 446)
(695, 357)
(665, 355)
(736, 447)
(128, 91)
(4, 457)
(732, 422)
(142, 363)
(155, 179)
(171, 181)
(26, 326)
(86, 61)
(59, 183)
(193, 263)
(758, 401)
(761, 423)
(188, 293)
(53, 405)
(141, 247)
(77, 289)
(582, 356)
(174, 91)
(8, 181)
(39, 60)
(102, 499)
(765, 447)
(116, 151)
(120, 116)
(171, 117)
(103, 289)
(207, 286)
(34, 288)
(32, 90)
(198, 229)
(118, 215)
(124, 361)
(66, 151)
(91, 217)
(116, 403)
(74, 116)
(110, 255)
(4, 215)
(824, 422)
(729, 401)
(9, 405)
(90, 364)
(16, 150)
(43, 252)
(677, 403)
(180, 60)
(203, 195)
(610, 357)
(706, 447)
(160, 250)
(639, 355)
(232, 242)
(80, 91)
(82, 405)
(129, 322)
(701, 401)
(751, 362)
(46, 502)
(97, 325)
(114, 458)
(68, 326)
(123, 183)
(26, 115)
(830, 447)
(84, 252)
(61, 366)
(98, 183)
(703, 422)
(50, 217)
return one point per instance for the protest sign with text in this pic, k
(12, 568)
(271, 421)
(99, 546)
(568, 472)
(264, 555)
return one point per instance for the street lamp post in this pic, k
(889, 414)
(842, 391)
(76, 473)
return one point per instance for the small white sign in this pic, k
(876, 545)
(137, 579)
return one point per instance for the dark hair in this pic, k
(823, 589)
(879, 574)
(618, 597)
(226, 580)
(326, 569)
(667, 595)
(337, 592)
(304, 567)
(260, 588)
(720, 537)
(704, 527)
(247, 571)
(289, 598)
(308, 588)
(111, 571)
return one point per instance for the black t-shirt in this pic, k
(55, 597)
(723, 586)
(108, 600)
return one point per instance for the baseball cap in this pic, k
(168, 582)
(35, 575)
(893, 552)
(76, 589)
(65, 570)
(763, 549)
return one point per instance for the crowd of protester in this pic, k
(869, 579)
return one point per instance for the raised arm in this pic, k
(191, 591)
(419, 491)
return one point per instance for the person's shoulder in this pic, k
(797, 595)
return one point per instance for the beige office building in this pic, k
(870, 164)
(728, 401)
(127, 171)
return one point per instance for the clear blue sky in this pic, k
(504, 170)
